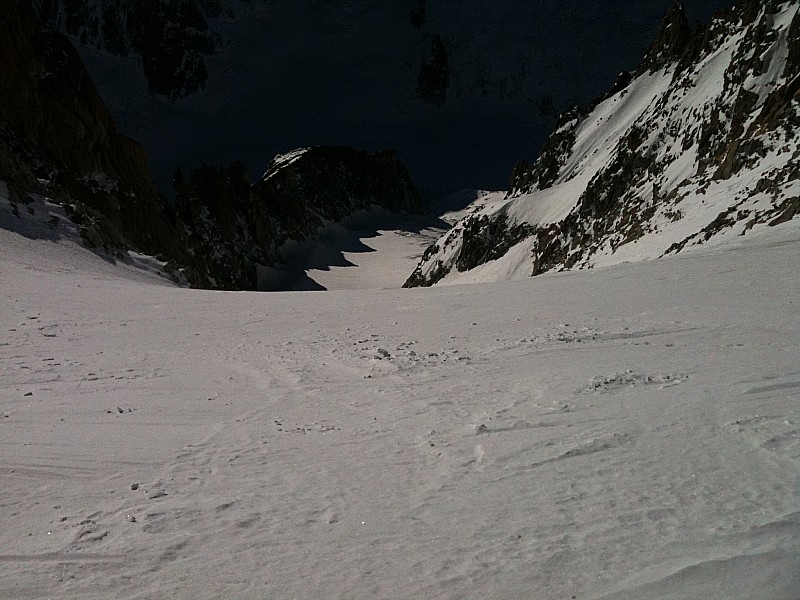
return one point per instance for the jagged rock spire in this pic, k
(671, 40)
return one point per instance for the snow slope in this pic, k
(37, 218)
(626, 432)
(686, 154)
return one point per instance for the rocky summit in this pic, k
(697, 146)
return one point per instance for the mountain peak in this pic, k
(671, 39)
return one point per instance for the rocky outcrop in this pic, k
(57, 138)
(238, 227)
(332, 182)
(221, 224)
(671, 40)
(543, 173)
(700, 146)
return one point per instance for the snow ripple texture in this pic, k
(630, 432)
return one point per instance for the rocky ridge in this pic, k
(697, 145)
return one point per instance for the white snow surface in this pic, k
(39, 218)
(366, 250)
(625, 432)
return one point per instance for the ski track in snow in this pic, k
(629, 432)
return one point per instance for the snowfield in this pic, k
(623, 432)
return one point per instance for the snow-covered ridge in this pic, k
(701, 150)
(281, 161)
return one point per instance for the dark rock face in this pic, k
(793, 60)
(432, 277)
(328, 183)
(418, 13)
(238, 228)
(480, 239)
(434, 75)
(544, 172)
(223, 224)
(57, 138)
(488, 239)
(172, 39)
(170, 36)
